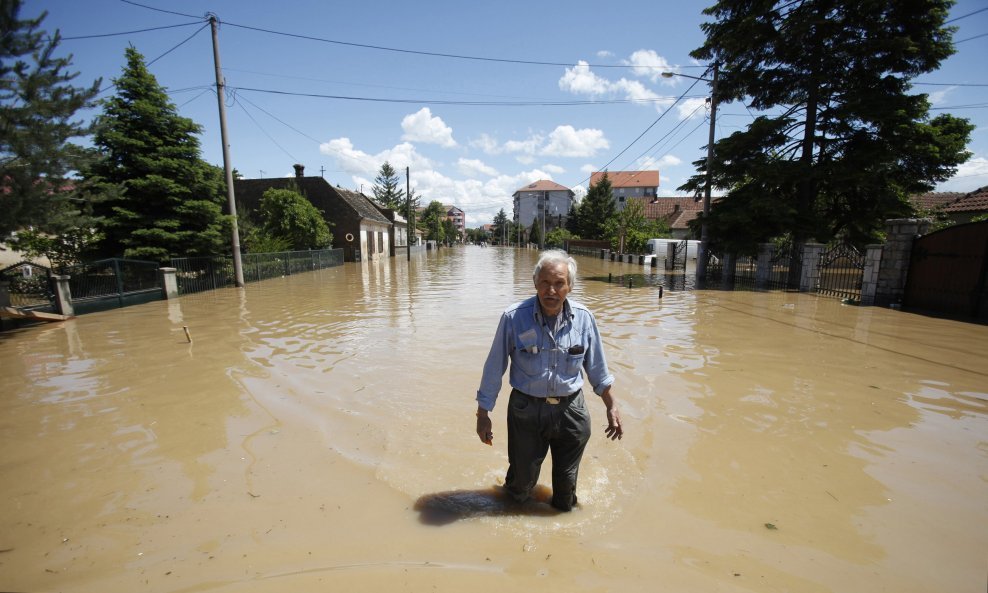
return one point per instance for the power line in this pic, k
(657, 120)
(466, 103)
(970, 38)
(436, 54)
(102, 35)
(191, 16)
(966, 15)
(170, 50)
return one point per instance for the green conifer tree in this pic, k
(172, 200)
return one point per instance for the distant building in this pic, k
(458, 217)
(629, 184)
(958, 207)
(543, 199)
(358, 226)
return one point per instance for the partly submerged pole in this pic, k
(238, 269)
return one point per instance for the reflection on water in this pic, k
(318, 428)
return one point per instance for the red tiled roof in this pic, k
(676, 211)
(976, 201)
(628, 178)
(934, 199)
(543, 185)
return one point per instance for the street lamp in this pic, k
(701, 252)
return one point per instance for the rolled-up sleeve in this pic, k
(497, 363)
(595, 364)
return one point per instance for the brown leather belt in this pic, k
(552, 401)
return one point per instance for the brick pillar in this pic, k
(869, 280)
(63, 296)
(809, 279)
(763, 269)
(900, 233)
(169, 283)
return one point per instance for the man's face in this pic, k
(552, 286)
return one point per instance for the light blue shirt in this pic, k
(545, 361)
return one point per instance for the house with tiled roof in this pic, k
(629, 184)
(543, 198)
(957, 206)
(676, 211)
(358, 226)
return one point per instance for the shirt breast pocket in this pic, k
(527, 355)
(574, 362)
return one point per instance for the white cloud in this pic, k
(604, 54)
(554, 169)
(580, 80)
(475, 167)
(648, 64)
(690, 108)
(566, 141)
(527, 146)
(970, 176)
(939, 97)
(588, 169)
(422, 126)
(488, 144)
(664, 162)
(357, 162)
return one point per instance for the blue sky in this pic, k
(472, 131)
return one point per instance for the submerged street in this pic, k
(318, 434)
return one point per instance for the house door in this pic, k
(947, 272)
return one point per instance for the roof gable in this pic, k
(627, 178)
(544, 185)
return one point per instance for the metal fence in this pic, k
(29, 285)
(197, 274)
(112, 283)
(841, 271)
(741, 271)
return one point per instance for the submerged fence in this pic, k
(197, 274)
(112, 283)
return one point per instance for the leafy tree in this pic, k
(849, 143)
(590, 219)
(629, 231)
(557, 237)
(501, 227)
(387, 188)
(450, 233)
(172, 200)
(37, 107)
(432, 218)
(286, 214)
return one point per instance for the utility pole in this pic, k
(408, 223)
(238, 270)
(702, 252)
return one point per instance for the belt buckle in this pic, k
(552, 400)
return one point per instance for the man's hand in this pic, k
(614, 430)
(484, 427)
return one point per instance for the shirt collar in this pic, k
(567, 312)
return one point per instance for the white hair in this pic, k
(556, 256)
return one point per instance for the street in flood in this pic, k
(316, 433)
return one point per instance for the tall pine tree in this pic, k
(595, 212)
(172, 200)
(850, 142)
(387, 188)
(38, 105)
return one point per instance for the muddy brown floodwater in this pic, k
(318, 435)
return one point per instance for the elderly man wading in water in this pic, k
(549, 341)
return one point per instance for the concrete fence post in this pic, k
(169, 283)
(763, 268)
(894, 268)
(63, 295)
(869, 278)
(809, 279)
(4, 293)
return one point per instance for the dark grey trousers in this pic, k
(536, 427)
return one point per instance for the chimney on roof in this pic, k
(675, 208)
(299, 171)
